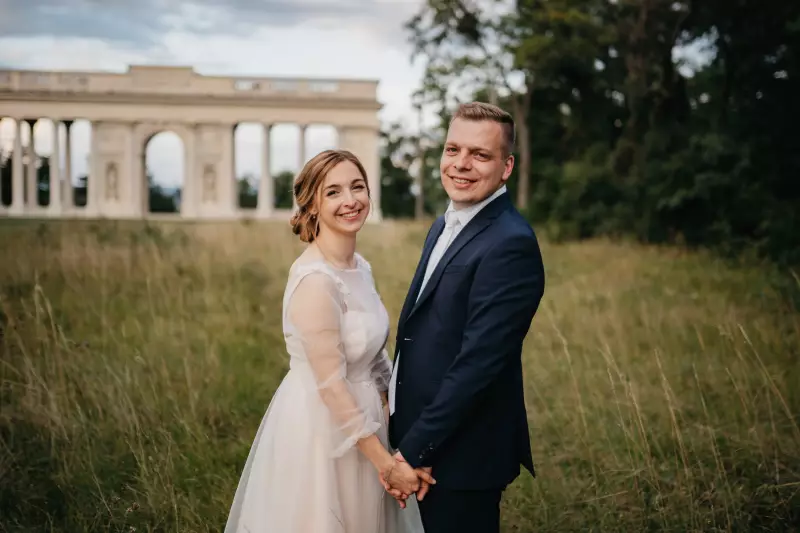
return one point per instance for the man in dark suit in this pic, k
(456, 397)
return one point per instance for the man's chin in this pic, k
(461, 197)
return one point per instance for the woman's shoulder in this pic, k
(315, 272)
(362, 263)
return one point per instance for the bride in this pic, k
(320, 461)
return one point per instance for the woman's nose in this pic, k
(349, 198)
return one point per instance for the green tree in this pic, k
(248, 194)
(630, 135)
(6, 165)
(397, 156)
(284, 197)
(158, 199)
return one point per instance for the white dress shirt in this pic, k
(454, 220)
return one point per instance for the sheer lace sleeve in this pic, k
(381, 370)
(315, 310)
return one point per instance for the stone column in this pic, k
(93, 174)
(301, 158)
(229, 203)
(138, 178)
(190, 170)
(32, 197)
(363, 141)
(68, 194)
(266, 188)
(127, 180)
(55, 172)
(17, 183)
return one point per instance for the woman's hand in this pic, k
(396, 494)
(402, 477)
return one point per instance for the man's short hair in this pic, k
(477, 111)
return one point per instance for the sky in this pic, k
(315, 38)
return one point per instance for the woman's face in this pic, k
(344, 200)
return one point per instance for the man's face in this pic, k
(473, 163)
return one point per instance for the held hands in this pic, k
(401, 480)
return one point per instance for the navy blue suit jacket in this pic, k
(459, 404)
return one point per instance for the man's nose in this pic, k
(464, 161)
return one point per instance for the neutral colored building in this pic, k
(126, 110)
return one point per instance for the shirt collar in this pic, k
(466, 214)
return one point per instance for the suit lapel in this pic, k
(416, 281)
(481, 221)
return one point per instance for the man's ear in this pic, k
(509, 167)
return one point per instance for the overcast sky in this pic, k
(326, 38)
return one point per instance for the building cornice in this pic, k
(192, 100)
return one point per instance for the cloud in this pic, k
(115, 21)
(142, 22)
(317, 38)
(49, 52)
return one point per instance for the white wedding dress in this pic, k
(304, 473)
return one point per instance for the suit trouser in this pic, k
(461, 511)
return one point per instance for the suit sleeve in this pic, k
(506, 291)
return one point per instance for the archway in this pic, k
(77, 153)
(8, 135)
(248, 157)
(164, 172)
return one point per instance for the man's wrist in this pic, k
(414, 462)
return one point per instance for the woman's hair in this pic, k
(307, 185)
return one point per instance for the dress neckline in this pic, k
(322, 260)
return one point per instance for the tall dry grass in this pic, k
(138, 359)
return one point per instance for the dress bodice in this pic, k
(350, 295)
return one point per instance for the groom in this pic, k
(456, 396)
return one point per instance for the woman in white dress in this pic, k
(320, 461)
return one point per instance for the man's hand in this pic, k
(396, 494)
(423, 473)
(400, 480)
(424, 485)
(399, 475)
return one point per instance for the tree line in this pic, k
(666, 121)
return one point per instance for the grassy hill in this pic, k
(138, 360)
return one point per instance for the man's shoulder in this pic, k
(512, 226)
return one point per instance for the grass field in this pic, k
(137, 360)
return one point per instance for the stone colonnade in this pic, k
(117, 185)
(24, 182)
